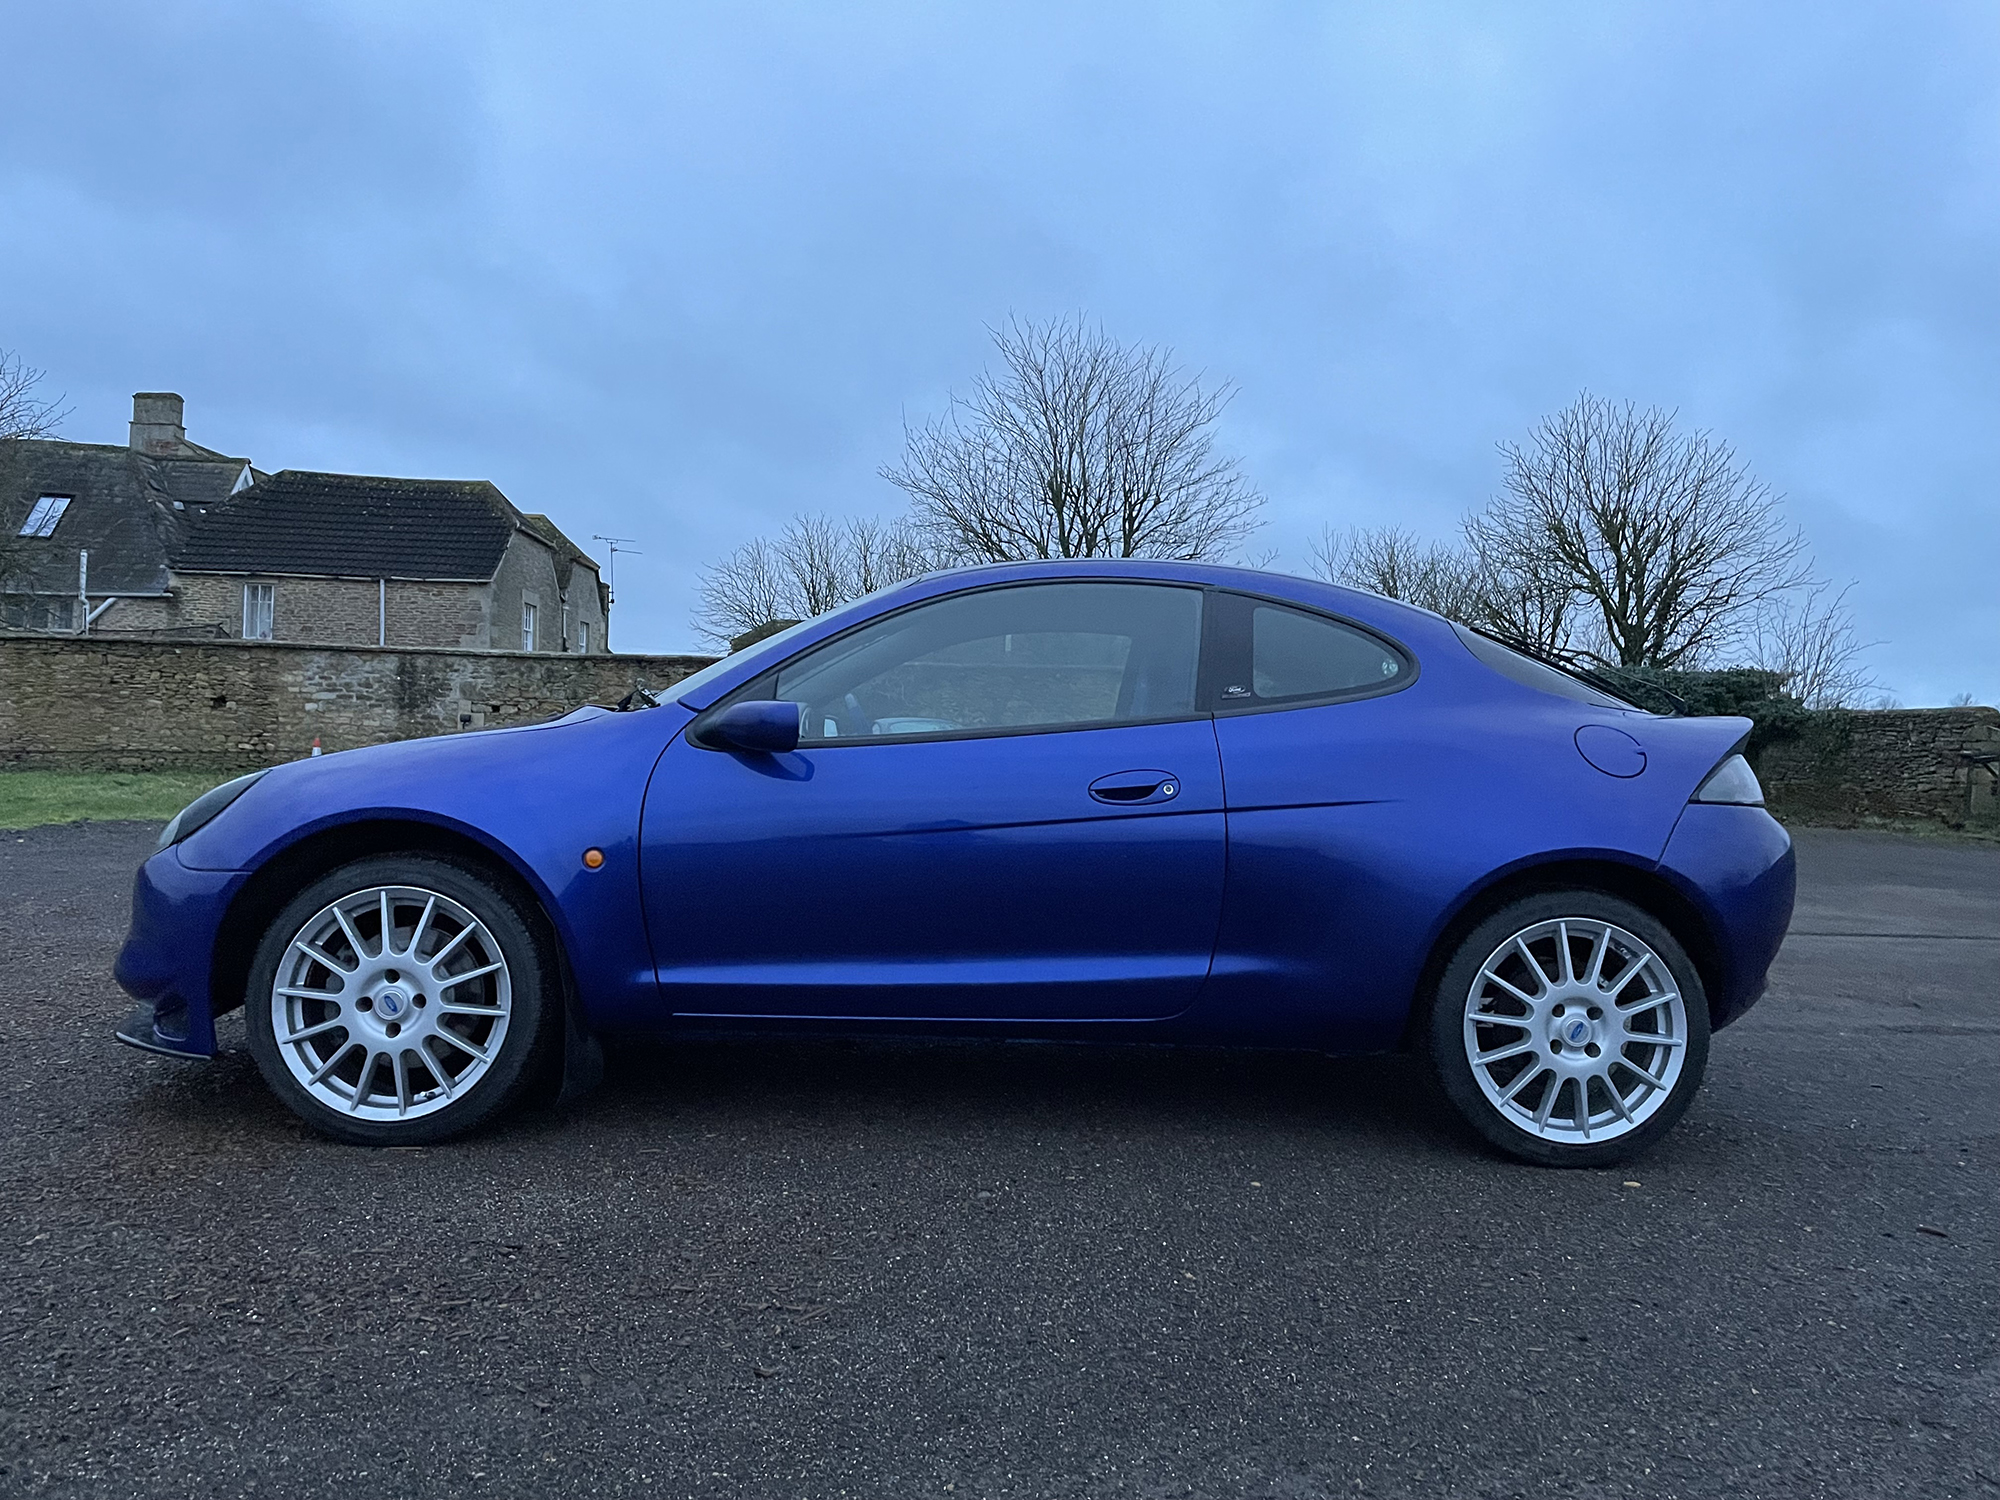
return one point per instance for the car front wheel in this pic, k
(1569, 1029)
(401, 999)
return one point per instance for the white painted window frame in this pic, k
(260, 611)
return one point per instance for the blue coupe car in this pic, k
(1102, 801)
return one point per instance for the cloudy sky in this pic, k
(675, 271)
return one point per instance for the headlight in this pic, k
(1732, 782)
(205, 807)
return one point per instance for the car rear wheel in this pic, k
(1569, 1029)
(401, 999)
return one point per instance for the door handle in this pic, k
(1131, 788)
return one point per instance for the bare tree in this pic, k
(1397, 564)
(1668, 545)
(1079, 446)
(1512, 591)
(744, 591)
(1519, 589)
(1809, 636)
(815, 564)
(23, 414)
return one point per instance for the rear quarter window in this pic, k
(1267, 654)
(1525, 670)
(1295, 655)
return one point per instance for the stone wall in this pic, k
(96, 703)
(583, 608)
(1887, 763)
(321, 611)
(526, 575)
(151, 613)
(424, 614)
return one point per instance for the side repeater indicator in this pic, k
(593, 859)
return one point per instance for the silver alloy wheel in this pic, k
(1576, 1030)
(391, 1003)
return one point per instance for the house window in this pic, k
(259, 600)
(527, 627)
(42, 519)
(38, 612)
(583, 638)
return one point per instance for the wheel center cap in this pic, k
(1576, 1031)
(390, 1003)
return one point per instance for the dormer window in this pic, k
(42, 519)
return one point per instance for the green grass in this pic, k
(31, 798)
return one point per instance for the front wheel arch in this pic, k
(296, 866)
(1650, 892)
(365, 995)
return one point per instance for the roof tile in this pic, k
(354, 526)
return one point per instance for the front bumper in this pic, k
(168, 954)
(1736, 864)
(150, 1031)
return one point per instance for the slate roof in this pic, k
(123, 511)
(354, 526)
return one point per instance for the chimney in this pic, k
(156, 424)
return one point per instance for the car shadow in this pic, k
(935, 1087)
(938, 1084)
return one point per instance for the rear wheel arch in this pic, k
(1645, 889)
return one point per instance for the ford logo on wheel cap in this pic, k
(390, 1003)
(1579, 1032)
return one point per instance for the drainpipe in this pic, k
(381, 611)
(83, 592)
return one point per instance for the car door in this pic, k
(1332, 775)
(1005, 804)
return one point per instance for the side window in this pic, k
(1272, 654)
(1033, 656)
(1307, 656)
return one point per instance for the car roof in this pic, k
(1173, 570)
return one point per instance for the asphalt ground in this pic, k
(808, 1270)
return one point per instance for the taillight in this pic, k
(1732, 783)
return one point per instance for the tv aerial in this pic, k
(616, 544)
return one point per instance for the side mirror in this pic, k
(756, 724)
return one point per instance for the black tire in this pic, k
(1502, 1023)
(525, 1003)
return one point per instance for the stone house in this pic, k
(165, 538)
(98, 522)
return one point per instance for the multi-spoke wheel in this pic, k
(398, 999)
(1570, 1029)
